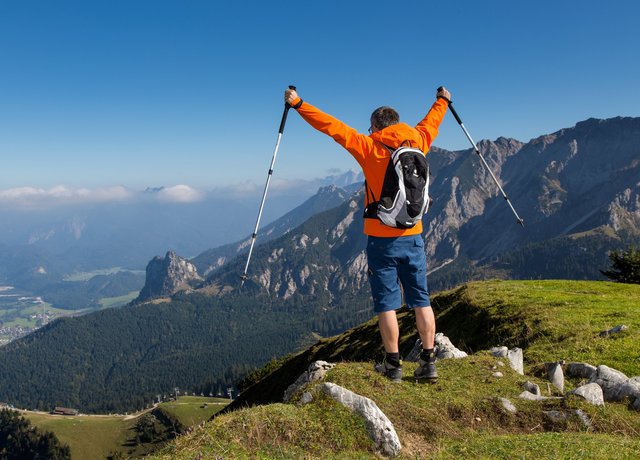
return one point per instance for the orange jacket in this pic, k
(372, 155)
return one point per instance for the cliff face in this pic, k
(168, 275)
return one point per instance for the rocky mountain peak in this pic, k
(168, 275)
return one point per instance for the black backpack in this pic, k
(404, 198)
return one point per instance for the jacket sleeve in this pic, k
(428, 127)
(357, 144)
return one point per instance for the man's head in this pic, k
(383, 117)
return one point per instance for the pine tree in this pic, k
(18, 439)
(625, 266)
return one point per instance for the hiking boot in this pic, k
(426, 371)
(393, 373)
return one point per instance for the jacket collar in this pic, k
(395, 135)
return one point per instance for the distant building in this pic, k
(64, 411)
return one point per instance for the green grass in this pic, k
(110, 302)
(460, 416)
(541, 446)
(96, 436)
(89, 437)
(280, 431)
(552, 320)
(190, 411)
(86, 276)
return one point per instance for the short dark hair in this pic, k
(384, 116)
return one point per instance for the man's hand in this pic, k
(290, 95)
(443, 93)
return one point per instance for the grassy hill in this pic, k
(460, 416)
(98, 436)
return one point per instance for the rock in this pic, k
(379, 427)
(581, 370)
(609, 380)
(444, 349)
(532, 388)
(508, 405)
(167, 276)
(627, 390)
(591, 392)
(516, 360)
(316, 371)
(499, 352)
(306, 398)
(514, 356)
(497, 375)
(556, 376)
(555, 416)
(414, 354)
(531, 397)
(615, 330)
(584, 418)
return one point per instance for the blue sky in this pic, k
(100, 94)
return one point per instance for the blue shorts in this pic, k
(395, 261)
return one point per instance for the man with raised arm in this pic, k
(395, 255)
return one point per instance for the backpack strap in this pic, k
(371, 209)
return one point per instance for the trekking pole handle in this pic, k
(286, 103)
(286, 110)
(453, 111)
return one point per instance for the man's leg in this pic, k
(388, 324)
(385, 290)
(391, 367)
(426, 324)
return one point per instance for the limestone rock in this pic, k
(516, 360)
(306, 398)
(584, 418)
(627, 390)
(581, 370)
(444, 349)
(508, 405)
(167, 276)
(531, 397)
(556, 376)
(591, 392)
(609, 380)
(532, 388)
(556, 416)
(379, 427)
(514, 356)
(615, 330)
(499, 352)
(316, 371)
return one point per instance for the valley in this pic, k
(22, 313)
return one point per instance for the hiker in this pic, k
(395, 256)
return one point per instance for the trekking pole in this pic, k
(475, 148)
(266, 187)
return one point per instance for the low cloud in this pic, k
(179, 194)
(60, 194)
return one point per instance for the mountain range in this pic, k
(578, 191)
